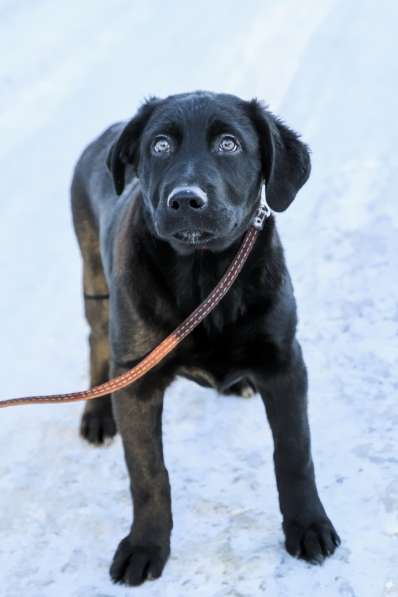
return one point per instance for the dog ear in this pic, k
(285, 159)
(125, 150)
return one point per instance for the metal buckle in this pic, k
(263, 211)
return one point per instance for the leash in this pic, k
(173, 339)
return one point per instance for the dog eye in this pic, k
(228, 144)
(161, 145)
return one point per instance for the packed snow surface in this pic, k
(67, 70)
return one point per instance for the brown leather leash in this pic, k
(177, 336)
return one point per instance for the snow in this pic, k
(330, 70)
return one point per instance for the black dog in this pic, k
(160, 205)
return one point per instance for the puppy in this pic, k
(160, 205)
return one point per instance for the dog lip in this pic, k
(193, 237)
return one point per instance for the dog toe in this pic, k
(133, 563)
(97, 427)
(311, 542)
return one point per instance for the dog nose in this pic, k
(187, 199)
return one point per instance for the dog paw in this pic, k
(133, 563)
(97, 426)
(311, 542)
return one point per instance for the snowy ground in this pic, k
(67, 70)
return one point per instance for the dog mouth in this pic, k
(193, 237)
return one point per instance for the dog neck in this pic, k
(183, 281)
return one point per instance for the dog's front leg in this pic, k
(143, 553)
(308, 531)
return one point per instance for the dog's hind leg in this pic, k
(97, 422)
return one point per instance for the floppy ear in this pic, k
(125, 150)
(285, 159)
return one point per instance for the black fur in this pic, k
(159, 255)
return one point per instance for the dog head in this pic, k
(201, 159)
